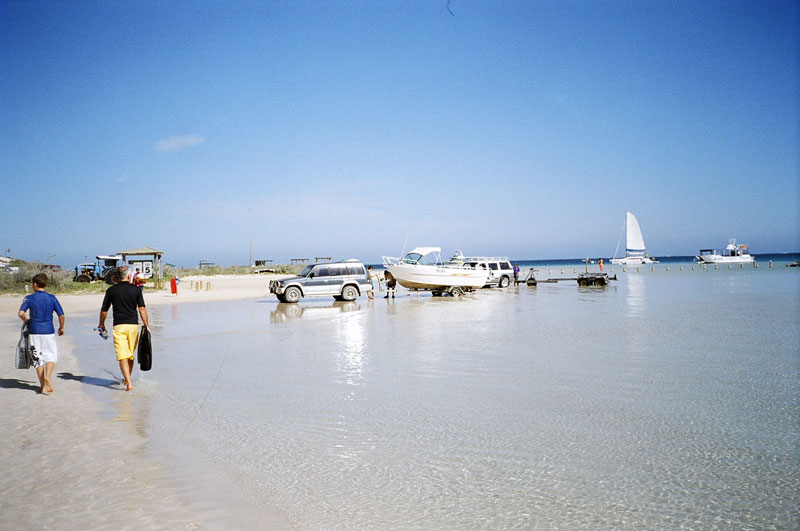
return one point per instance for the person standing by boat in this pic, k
(127, 301)
(391, 283)
(41, 306)
(372, 276)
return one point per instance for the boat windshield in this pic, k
(416, 258)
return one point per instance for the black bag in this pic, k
(145, 350)
(23, 360)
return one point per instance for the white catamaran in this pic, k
(634, 245)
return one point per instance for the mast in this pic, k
(250, 212)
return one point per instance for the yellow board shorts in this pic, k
(126, 337)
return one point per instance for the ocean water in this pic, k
(669, 399)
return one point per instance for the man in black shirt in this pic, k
(128, 303)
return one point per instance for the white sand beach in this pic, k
(549, 407)
(66, 465)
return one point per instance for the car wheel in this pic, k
(281, 298)
(83, 278)
(292, 294)
(504, 281)
(349, 293)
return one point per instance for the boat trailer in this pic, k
(453, 291)
(584, 279)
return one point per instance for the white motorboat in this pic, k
(733, 253)
(422, 268)
(634, 245)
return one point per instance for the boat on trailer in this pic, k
(422, 269)
(733, 253)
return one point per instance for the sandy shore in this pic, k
(65, 465)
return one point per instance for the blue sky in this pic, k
(348, 128)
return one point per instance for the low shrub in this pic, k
(20, 281)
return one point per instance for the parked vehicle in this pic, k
(106, 268)
(499, 267)
(345, 281)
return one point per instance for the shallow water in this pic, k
(668, 399)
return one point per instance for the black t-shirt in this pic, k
(126, 300)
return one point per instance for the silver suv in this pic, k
(500, 271)
(344, 280)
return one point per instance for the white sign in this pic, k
(145, 268)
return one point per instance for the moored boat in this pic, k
(422, 268)
(634, 245)
(733, 253)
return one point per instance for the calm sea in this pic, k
(669, 399)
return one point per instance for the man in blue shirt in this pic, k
(41, 305)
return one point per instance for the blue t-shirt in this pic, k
(41, 305)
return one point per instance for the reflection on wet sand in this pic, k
(133, 410)
(350, 337)
(284, 311)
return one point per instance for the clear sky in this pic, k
(351, 128)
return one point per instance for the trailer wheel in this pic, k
(83, 278)
(456, 291)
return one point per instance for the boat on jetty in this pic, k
(733, 253)
(634, 244)
(422, 269)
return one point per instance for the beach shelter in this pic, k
(148, 260)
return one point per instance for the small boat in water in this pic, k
(422, 268)
(733, 253)
(634, 244)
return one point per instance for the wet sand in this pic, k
(555, 407)
(67, 465)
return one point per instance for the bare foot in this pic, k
(43, 390)
(49, 385)
(129, 387)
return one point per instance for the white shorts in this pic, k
(46, 348)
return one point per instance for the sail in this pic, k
(634, 242)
